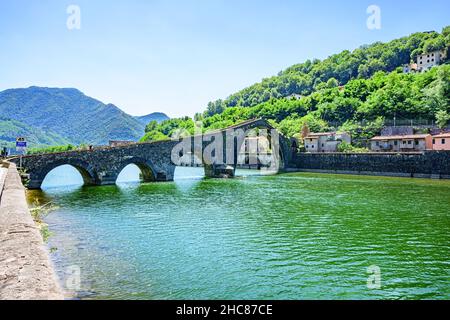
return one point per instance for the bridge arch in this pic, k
(86, 171)
(276, 155)
(148, 171)
(279, 154)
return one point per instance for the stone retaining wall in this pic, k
(26, 272)
(429, 164)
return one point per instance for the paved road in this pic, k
(26, 272)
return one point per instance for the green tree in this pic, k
(153, 136)
(437, 93)
(332, 83)
(442, 118)
(152, 126)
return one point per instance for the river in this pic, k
(288, 236)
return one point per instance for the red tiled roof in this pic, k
(320, 134)
(442, 135)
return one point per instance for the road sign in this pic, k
(21, 144)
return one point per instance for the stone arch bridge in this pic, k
(158, 160)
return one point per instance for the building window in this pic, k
(404, 142)
(443, 141)
(312, 147)
(432, 54)
(323, 145)
(434, 141)
(377, 143)
(409, 142)
(428, 61)
(417, 142)
(307, 147)
(395, 142)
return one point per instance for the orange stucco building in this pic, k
(441, 141)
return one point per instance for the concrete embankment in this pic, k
(26, 272)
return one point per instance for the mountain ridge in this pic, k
(154, 116)
(67, 115)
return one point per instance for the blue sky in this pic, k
(175, 56)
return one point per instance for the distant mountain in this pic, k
(11, 129)
(49, 116)
(156, 116)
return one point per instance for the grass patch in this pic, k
(39, 212)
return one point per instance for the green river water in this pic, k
(288, 236)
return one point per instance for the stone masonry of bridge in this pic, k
(102, 166)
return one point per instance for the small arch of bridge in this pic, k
(86, 171)
(148, 173)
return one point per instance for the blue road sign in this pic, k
(21, 144)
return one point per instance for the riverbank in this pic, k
(26, 272)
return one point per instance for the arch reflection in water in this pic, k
(69, 176)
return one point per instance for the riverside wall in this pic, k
(26, 272)
(428, 164)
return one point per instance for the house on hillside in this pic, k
(402, 143)
(428, 60)
(425, 62)
(325, 141)
(408, 68)
(294, 96)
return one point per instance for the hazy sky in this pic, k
(175, 56)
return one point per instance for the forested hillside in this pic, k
(11, 129)
(338, 69)
(355, 91)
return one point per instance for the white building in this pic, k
(325, 141)
(401, 143)
(428, 60)
(294, 96)
(425, 62)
